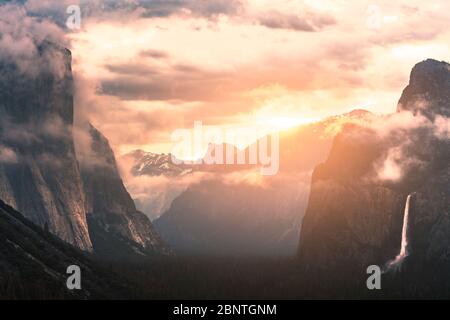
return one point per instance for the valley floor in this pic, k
(223, 278)
(255, 278)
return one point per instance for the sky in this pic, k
(144, 68)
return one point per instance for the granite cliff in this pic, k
(40, 174)
(358, 195)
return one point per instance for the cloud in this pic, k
(174, 82)
(86, 156)
(154, 194)
(26, 134)
(7, 155)
(249, 177)
(442, 127)
(309, 22)
(405, 123)
(394, 164)
(155, 54)
(22, 37)
(411, 143)
(399, 123)
(160, 65)
(170, 79)
(403, 27)
(121, 122)
(124, 9)
(165, 8)
(136, 69)
(52, 10)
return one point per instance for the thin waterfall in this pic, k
(404, 245)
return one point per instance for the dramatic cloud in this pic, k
(145, 68)
(135, 69)
(310, 22)
(395, 163)
(177, 82)
(407, 137)
(56, 9)
(155, 54)
(21, 36)
(210, 8)
(86, 155)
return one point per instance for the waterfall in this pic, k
(404, 245)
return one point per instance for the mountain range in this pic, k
(234, 210)
(352, 191)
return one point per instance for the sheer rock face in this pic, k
(39, 175)
(350, 222)
(354, 219)
(428, 91)
(111, 210)
(430, 225)
(429, 88)
(39, 171)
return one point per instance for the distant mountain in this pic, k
(238, 211)
(355, 216)
(237, 218)
(40, 174)
(153, 164)
(33, 264)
